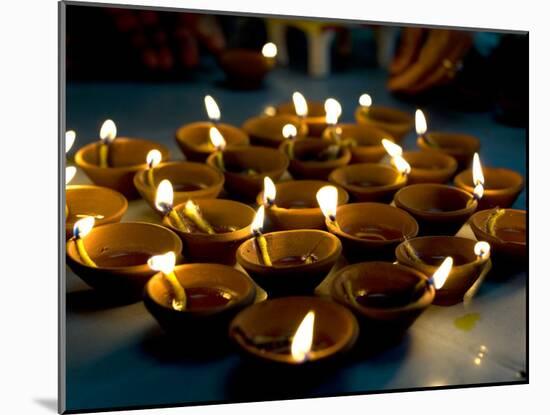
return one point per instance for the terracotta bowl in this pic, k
(430, 167)
(296, 205)
(460, 146)
(335, 328)
(92, 200)
(395, 122)
(190, 181)
(121, 251)
(371, 231)
(438, 209)
(368, 139)
(501, 188)
(264, 161)
(221, 247)
(432, 250)
(314, 170)
(383, 323)
(194, 139)
(126, 156)
(208, 321)
(316, 120)
(291, 279)
(369, 182)
(267, 130)
(245, 68)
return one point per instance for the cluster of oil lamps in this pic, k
(313, 225)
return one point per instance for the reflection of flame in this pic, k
(164, 263)
(420, 122)
(477, 171)
(153, 158)
(401, 165)
(365, 100)
(212, 108)
(83, 227)
(300, 104)
(327, 198)
(164, 198)
(107, 133)
(333, 110)
(303, 338)
(440, 275)
(70, 136)
(216, 138)
(392, 149)
(69, 174)
(258, 221)
(482, 249)
(289, 131)
(270, 192)
(269, 50)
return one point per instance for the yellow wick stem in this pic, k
(290, 149)
(411, 252)
(194, 214)
(150, 177)
(334, 223)
(429, 142)
(262, 245)
(180, 298)
(103, 155)
(349, 292)
(219, 160)
(83, 253)
(175, 217)
(66, 211)
(471, 201)
(492, 221)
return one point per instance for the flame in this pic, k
(258, 221)
(270, 111)
(478, 191)
(303, 338)
(70, 137)
(107, 133)
(401, 165)
(333, 110)
(327, 198)
(394, 150)
(154, 157)
(270, 192)
(482, 249)
(164, 198)
(164, 263)
(269, 50)
(289, 131)
(216, 138)
(212, 108)
(440, 275)
(69, 174)
(477, 171)
(83, 227)
(420, 122)
(365, 100)
(300, 104)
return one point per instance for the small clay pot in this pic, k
(370, 231)
(126, 157)
(221, 247)
(369, 182)
(245, 68)
(314, 170)
(395, 122)
(430, 167)
(501, 187)
(267, 130)
(316, 119)
(293, 279)
(460, 146)
(296, 205)
(335, 329)
(438, 209)
(121, 251)
(194, 139)
(92, 200)
(264, 161)
(197, 181)
(432, 250)
(368, 146)
(196, 325)
(383, 323)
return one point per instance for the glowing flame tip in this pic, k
(303, 338)
(164, 263)
(300, 104)
(269, 50)
(108, 131)
(420, 122)
(442, 273)
(212, 108)
(365, 100)
(83, 227)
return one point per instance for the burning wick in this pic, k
(165, 263)
(492, 220)
(327, 198)
(270, 111)
(270, 192)
(107, 134)
(257, 225)
(290, 132)
(422, 127)
(440, 276)
(396, 153)
(154, 157)
(300, 106)
(333, 110)
(70, 137)
(69, 175)
(478, 179)
(482, 250)
(217, 140)
(164, 201)
(192, 211)
(303, 338)
(212, 109)
(80, 230)
(365, 101)
(269, 50)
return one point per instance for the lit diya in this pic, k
(426, 253)
(268, 130)
(194, 139)
(246, 68)
(288, 262)
(294, 331)
(395, 122)
(114, 161)
(459, 146)
(113, 258)
(311, 113)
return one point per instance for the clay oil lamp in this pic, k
(196, 302)
(288, 262)
(113, 258)
(425, 254)
(366, 230)
(395, 122)
(247, 68)
(268, 130)
(311, 113)
(292, 204)
(459, 146)
(115, 160)
(294, 331)
(194, 139)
